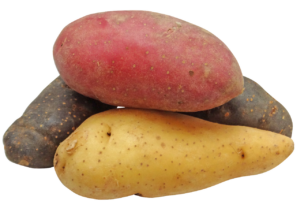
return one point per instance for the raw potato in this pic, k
(147, 60)
(122, 152)
(253, 108)
(33, 138)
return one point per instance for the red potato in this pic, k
(147, 60)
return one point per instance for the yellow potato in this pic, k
(123, 152)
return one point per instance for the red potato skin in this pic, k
(147, 60)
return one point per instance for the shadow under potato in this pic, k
(253, 108)
(33, 138)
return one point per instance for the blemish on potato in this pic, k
(273, 111)
(71, 146)
(163, 145)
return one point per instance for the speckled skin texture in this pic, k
(33, 138)
(122, 152)
(253, 108)
(147, 60)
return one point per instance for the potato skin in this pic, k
(147, 60)
(122, 152)
(253, 108)
(33, 138)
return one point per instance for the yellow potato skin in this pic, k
(122, 152)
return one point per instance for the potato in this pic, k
(147, 60)
(253, 108)
(33, 138)
(122, 152)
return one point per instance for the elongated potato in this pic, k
(122, 152)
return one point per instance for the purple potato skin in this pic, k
(253, 108)
(33, 138)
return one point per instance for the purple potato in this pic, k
(253, 108)
(33, 138)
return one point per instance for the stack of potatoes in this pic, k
(191, 120)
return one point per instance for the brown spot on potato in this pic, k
(191, 73)
(56, 160)
(241, 152)
(24, 163)
(273, 111)
(138, 195)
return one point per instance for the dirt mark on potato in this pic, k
(139, 194)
